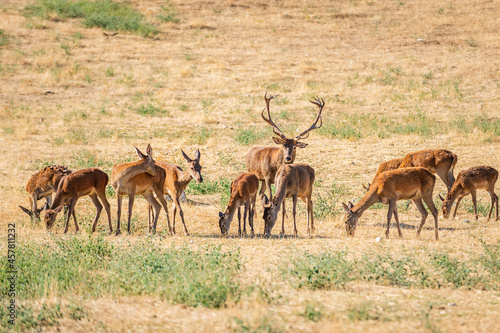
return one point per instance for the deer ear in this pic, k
(265, 200)
(279, 141)
(26, 210)
(185, 156)
(350, 205)
(141, 155)
(197, 155)
(149, 151)
(58, 209)
(439, 195)
(45, 206)
(346, 208)
(301, 144)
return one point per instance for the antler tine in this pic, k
(268, 120)
(321, 104)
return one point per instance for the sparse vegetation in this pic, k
(105, 14)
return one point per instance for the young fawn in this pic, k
(468, 182)
(141, 177)
(243, 193)
(292, 180)
(414, 184)
(91, 182)
(41, 185)
(177, 180)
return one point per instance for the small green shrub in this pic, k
(4, 38)
(312, 313)
(168, 14)
(150, 110)
(323, 271)
(249, 136)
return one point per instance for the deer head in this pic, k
(50, 216)
(446, 208)
(150, 163)
(194, 167)
(270, 214)
(34, 214)
(350, 219)
(290, 145)
(224, 223)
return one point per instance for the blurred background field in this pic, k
(82, 82)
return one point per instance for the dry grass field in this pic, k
(396, 76)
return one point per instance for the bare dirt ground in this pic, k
(69, 95)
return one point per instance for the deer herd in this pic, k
(408, 178)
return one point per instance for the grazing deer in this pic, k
(401, 184)
(91, 182)
(265, 161)
(468, 182)
(243, 193)
(41, 185)
(136, 178)
(292, 180)
(437, 161)
(385, 166)
(176, 181)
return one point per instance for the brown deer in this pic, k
(265, 161)
(142, 177)
(295, 181)
(243, 193)
(91, 182)
(437, 161)
(385, 166)
(41, 185)
(176, 181)
(401, 184)
(468, 182)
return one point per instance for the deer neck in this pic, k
(453, 195)
(280, 195)
(366, 202)
(231, 208)
(131, 170)
(184, 177)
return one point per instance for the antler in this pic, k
(320, 103)
(276, 130)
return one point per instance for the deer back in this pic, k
(80, 183)
(404, 183)
(429, 159)
(294, 178)
(49, 177)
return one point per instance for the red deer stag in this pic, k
(401, 184)
(91, 182)
(437, 161)
(265, 161)
(243, 193)
(41, 185)
(176, 181)
(295, 181)
(468, 182)
(136, 178)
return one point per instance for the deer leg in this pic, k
(456, 206)
(153, 205)
(251, 214)
(493, 200)
(77, 229)
(311, 212)
(396, 217)
(245, 212)
(283, 213)
(102, 196)
(294, 211)
(71, 208)
(420, 206)
(181, 213)
(48, 200)
(118, 212)
(34, 202)
(268, 185)
(131, 199)
(161, 199)
(496, 200)
(150, 213)
(392, 205)
(474, 201)
(428, 201)
(239, 221)
(98, 208)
